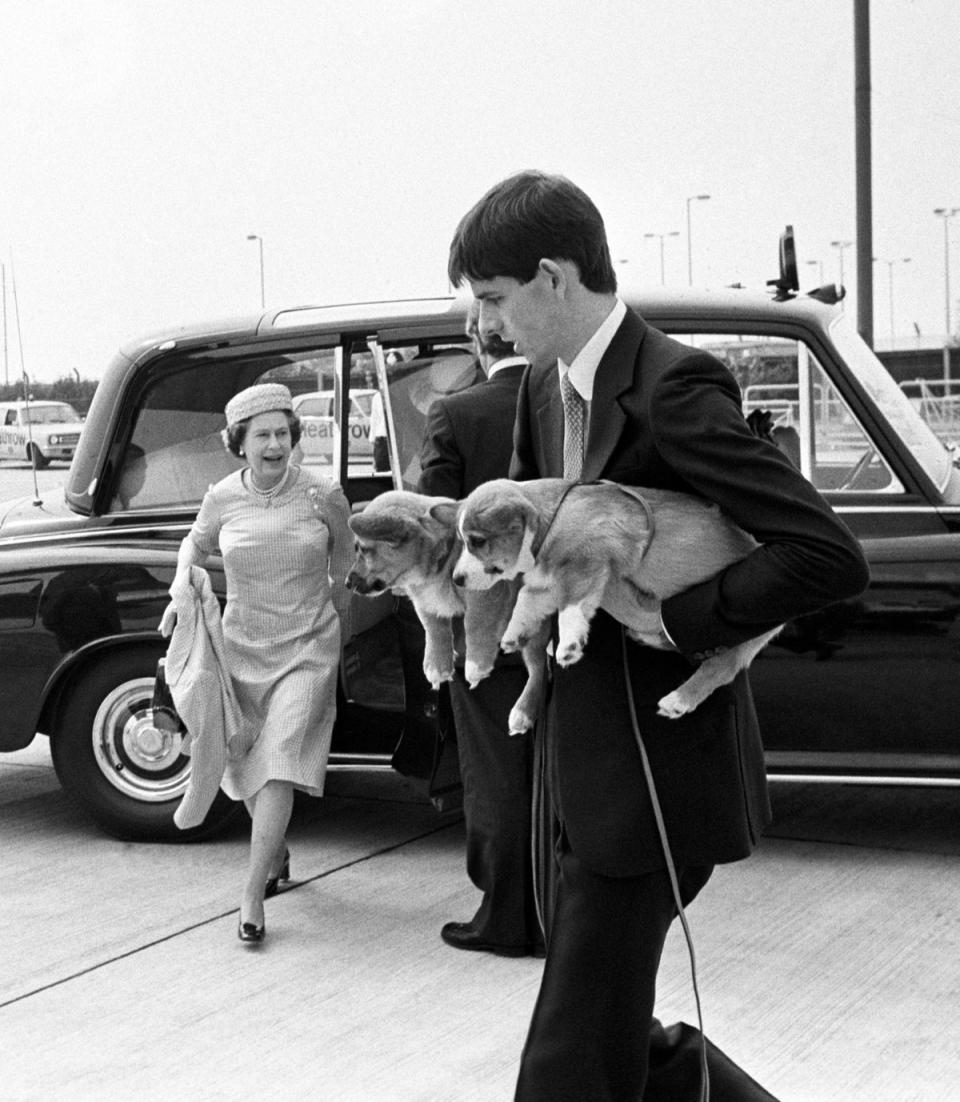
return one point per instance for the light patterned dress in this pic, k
(281, 625)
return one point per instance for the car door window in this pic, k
(790, 399)
(176, 450)
(416, 376)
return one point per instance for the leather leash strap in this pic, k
(671, 868)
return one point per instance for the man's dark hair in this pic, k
(527, 218)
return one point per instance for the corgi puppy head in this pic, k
(403, 541)
(497, 525)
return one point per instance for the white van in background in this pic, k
(38, 431)
(315, 410)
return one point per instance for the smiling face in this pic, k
(267, 445)
(528, 314)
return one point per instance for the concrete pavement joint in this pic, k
(216, 918)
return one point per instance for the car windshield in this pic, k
(923, 443)
(48, 413)
(315, 407)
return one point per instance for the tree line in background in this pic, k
(68, 388)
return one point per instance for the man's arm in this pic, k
(441, 463)
(807, 557)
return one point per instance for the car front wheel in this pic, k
(121, 761)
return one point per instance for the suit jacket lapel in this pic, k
(616, 376)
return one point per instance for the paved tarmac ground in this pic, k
(828, 964)
(16, 479)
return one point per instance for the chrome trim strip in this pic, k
(113, 532)
(376, 762)
(878, 781)
(932, 509)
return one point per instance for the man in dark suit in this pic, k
(469, 440)
(608, 396)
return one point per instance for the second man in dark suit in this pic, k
(468, 441)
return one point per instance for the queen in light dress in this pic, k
(282, 531)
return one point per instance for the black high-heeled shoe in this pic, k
(273, 882)
(251, 933)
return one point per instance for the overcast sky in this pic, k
(141, 141)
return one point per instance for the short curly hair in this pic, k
(235, 434)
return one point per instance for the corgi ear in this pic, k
(440, 519)
(383, 527)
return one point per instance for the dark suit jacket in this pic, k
(469, 436)
(666, 415)
(468, 441)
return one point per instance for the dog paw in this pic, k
(519, 721)
(475, 673)
(569, 651)
(436, 675)
(673, 706)
(513, 642)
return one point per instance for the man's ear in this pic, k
(554, 272)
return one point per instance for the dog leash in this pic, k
(671, 868)
(538, 544)
(628, 490)
(539, 861)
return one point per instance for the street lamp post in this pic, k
(946, 213)
(840, 246)
(6, 368)
(691, 199)
(890, 264)
(256, 237)
(670, 233)
(819, 265)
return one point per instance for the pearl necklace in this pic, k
(273, 491)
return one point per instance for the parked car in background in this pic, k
(38, 432)
(867, 690)
(318, 438)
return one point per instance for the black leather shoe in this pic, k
(273, 883)
(251, 933)
(461, 935)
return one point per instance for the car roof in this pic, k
(448, 314)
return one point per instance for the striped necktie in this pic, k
(573, 416)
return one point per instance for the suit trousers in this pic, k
(593, 1036)
(497, 774)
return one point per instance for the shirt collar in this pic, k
(583, 370)
(508, 361)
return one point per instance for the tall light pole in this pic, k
(840, 246)
(256, 237)
(691, 199)
(670, 233)
(890, 264)
(946, 213)
(819, 264)
(6, 366)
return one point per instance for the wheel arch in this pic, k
(60, 684)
